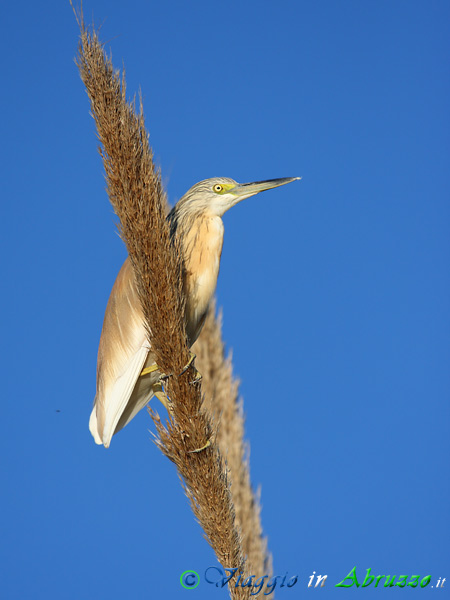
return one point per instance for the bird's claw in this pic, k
(198, 377)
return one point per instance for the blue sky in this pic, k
(335, 289)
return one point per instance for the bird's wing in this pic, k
(122, 353)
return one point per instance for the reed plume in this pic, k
(222, 401)
(136, 193)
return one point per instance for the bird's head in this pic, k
(219, 194)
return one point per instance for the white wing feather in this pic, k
(123, 353)
(120, 393)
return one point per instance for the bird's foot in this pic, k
(164, 377)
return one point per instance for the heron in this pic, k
(127, 374)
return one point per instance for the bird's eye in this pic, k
(218, 188)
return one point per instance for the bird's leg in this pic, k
(150, 369)
(157, 388)
(164, 377)
(158, 391)
(153, 369)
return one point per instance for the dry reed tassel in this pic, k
(135, 190)
(222, 401)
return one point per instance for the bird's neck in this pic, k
(201, 243)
